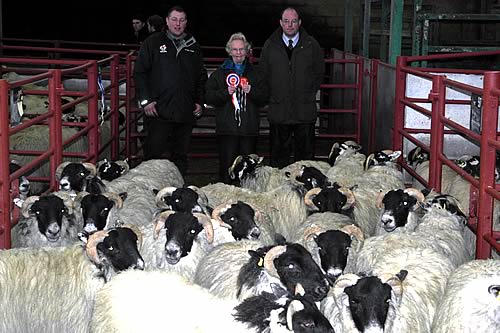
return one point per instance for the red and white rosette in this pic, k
(233, 79)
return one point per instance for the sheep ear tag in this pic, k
(260, 263)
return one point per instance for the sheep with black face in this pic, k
(53, 289)
(47, 220)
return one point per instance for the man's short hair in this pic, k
(289, 8)
(139, 16)
(177, 9)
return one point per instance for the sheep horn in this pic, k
(137, 232)
(236, 161)
(207, 225)
(378, 201)
(160, 222)
(353, 144)
(218, 211)
(269, 259)
(353, 230)
(60, 169)
(27, 205)
(202, 197)
(309, 196)
(91, 167)
(67, 200)
(115, 198)
(350, 197)
(91, 246)
(417, 194)
(394, 282)
(164, 192)
(124, 165)
(293, 307)
(101, 163)
(311, 231)
(368, 160)
(346, 280)
(79, 197)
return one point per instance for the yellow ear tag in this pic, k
(261, 262)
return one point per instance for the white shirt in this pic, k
(295, 39)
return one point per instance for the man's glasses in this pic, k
(287, 22)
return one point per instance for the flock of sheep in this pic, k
(337, 246)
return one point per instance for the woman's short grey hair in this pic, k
(237, 36)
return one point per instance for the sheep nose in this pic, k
(255, 233)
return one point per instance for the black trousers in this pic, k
(169, 140)
(229, 147)
(284, 138)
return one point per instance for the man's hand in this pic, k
(150, 110)
(246, 88)
(197, 110)
(231, 89)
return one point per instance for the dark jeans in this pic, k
(283, 137)
(229, 147)
(168, 137)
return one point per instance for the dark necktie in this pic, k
(290, 44)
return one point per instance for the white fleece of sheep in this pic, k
(47, 290)
(467, 306)
(154, 302)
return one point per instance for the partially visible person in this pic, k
(293, 63)
(140, 29)
(236, 104)
(170, 83)
(155, 23)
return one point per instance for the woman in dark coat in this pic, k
(237, 91)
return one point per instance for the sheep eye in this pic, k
(106, 208)
(405, 203)
(37, 212)
(308, 179)
(232, 219)
(177, 200)
(82, 174)
(291, 266)
(192, 231)
(111, 248)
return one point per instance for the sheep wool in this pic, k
(47, 290)
(467, 306)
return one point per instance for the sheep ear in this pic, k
(402, 275)
(279, 239)
(123, 195)
(155, 191)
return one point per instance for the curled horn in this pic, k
(368, 160)
(353, 144)
(417, 194)
(160, 222)
(137, 232)
(346, 280)
(218, 211)
(91, 246)
(309, 196)
(237, 160)
(27, 205)
(350, 197)
(67, 200)
(394, 281)
(311, 231)
(202, 197)
(293, 307)
(164, 192)
(378, 201)
(91, 167)
(115, 198)
(269, 259)
(79, 197)
(101, 163)
(124, 165)
(353, 230)
(207, 225)
(60, 169)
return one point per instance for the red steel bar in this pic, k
(438, 98)
(487, 162)
(4, 167)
